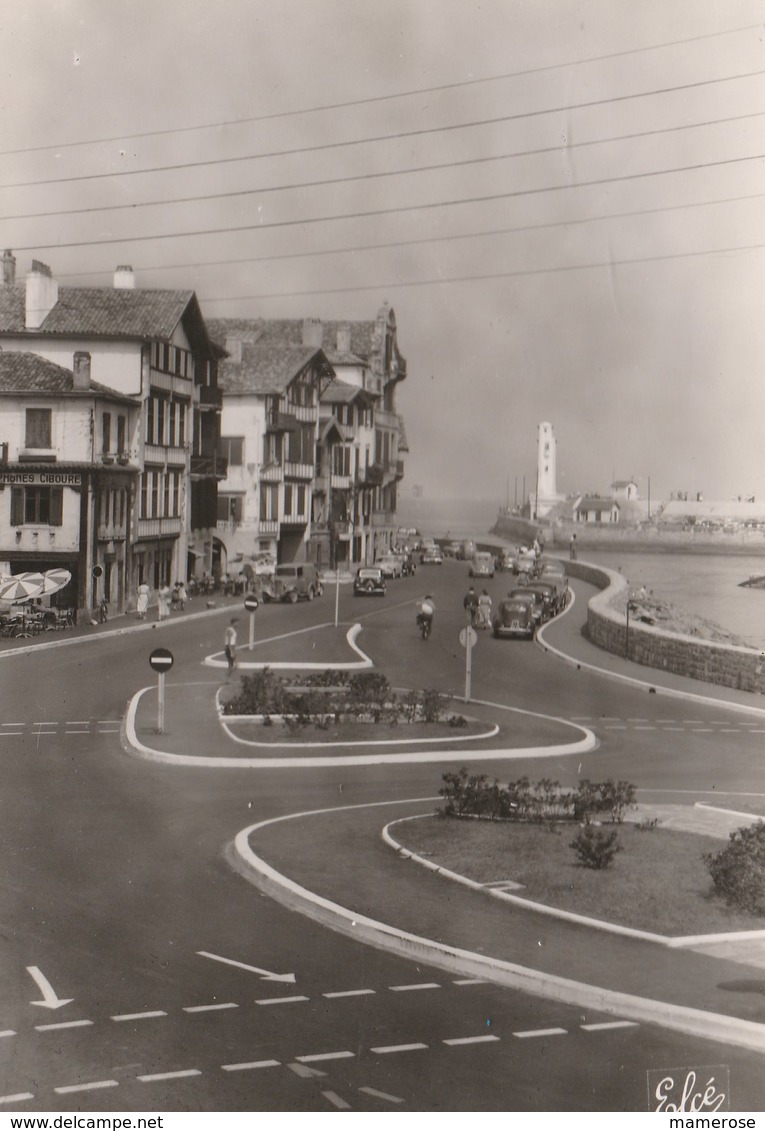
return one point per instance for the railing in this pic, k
(294, 519)
(268, 526)
(157, 527)
(342, 482)
(281, 422)
(271, 473)
(109, 532)
(299, 470)
(209, 467)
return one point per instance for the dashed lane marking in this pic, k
(139, 1016)
(62, 1025)
(470, 1040)
(245, 1066)
(17, 1098)
(703, 730)
(8, 1033)
(470, 982)
(315, 1057)
(210, 1008)
(92, 1087)
(348, 993)
(415, 986)
(523, 1033)
(383, 1049)
(381, 1095)
(600, 1026)
(280, 1000)
(336, 1101)
(154, 1077)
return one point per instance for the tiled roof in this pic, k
(289, 332)
(264, 368)
(105, 312)
(341, 392)
(29, 373)
(592, 503)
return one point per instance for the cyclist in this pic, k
(425, 611)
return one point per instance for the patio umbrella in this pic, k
(14, 589)
(50, 581)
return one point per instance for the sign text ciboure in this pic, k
(41, 478)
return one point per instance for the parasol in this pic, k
(14, 589)
(50, 581)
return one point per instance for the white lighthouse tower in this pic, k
(545, 494)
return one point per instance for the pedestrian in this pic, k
(163, 602)
(470, 604)
(572, 548)
(182, 594)
(230, 645)
(142, 605)
(483, 611)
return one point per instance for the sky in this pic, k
(562, 200)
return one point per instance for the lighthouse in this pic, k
(545, 494)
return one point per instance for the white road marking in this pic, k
(280, 1000)
(317, 1056)
(729, 730)
(674, 728)
(12, 734)
(470, 1040)
(154, 1076)
(397, 1048)
(17, 1098)
(8, 1033)
(540, 1033)
(336, 1100)
(250, 1064)
(645, 728)
(209, 1008)
(612, 726)
(637, 720)
(86, 1087)
(348, 993)
(304, 1072)
(62, 1025)
(381, 1095)
(139, 1016)
(703, 730)
(415, 986)
(470, 982)
(600, 1025)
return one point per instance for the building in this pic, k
(545, 495)
(590, 508)
(152, 348)
(358, 442)
(626, 489)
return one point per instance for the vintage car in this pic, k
(390, 564)
(550, 595)
(514, 617)
(293, 581)
(369, 582)
(536, 600)
(431, 556)
(451, 549)
(481, 565)
(505, 560)
(524, 561)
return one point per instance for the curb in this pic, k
(683, 1019)
(285, 665)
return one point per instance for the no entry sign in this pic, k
(161, 659)
(251, 602)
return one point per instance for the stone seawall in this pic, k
(649, 539)
(723, 664)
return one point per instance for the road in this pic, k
(117, 894)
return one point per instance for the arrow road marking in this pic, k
(267, 975)
(50, 998)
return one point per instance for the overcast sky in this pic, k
(627, 312)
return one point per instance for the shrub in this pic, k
(738, 870)
(431, 706)
(596, 848)
(611, 797)
(369, 691)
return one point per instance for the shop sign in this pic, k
(41, 478)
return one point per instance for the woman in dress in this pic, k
(143, 600)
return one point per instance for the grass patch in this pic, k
(353, 731)
(659, 883)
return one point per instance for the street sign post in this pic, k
(251, 603)
(468, 639)
(160, 661)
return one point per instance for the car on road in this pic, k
(505, 560)
(451, 549)
(293, 581)
(481, 565)
(514, 618)
(390, 564)
(535, 598)
(431, 556)
(369, 582)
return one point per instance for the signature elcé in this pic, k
(676, 1094)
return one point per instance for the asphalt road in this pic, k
(116, 892)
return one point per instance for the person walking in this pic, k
(142, 605)
(163, 602)
(230, 645)
(572, 548)
(182, 595)
(470, 604)
(483, 611)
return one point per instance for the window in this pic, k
(181, 425)
(272, 448)
(38, 432)
(301, 497)
(269, 502)
(106, 432)
(121, 430)
(232, 450)
(230, 508)
(41, 506)
(161, 406)
(150, 420)
(288, 492)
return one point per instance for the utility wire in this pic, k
(383, 97)
(442, 280)
(399, 136)
(430, 205)
(326, 182)
(389, 244)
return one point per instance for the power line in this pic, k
(399, 136)
(442, 280)
(388, 244)
(326, 182)
(384, 97)
(303, 221)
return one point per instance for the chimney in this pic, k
(81, 370)
(124, 278)
(42, 294)
(344, 338)
(313, 332)
(9, 268)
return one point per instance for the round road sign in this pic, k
(251, 602)
(468, 634)
(161, 660)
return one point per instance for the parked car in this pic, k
(550, 595)
(431, 556)
(369, 582)
(293, 581)
(390, 564)
(536, 600)
(514, 617)
(481, 565)
(524, 561)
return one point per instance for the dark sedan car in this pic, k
(514, 617)
(536, 600)
(369, 582)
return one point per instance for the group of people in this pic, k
(167, 599)
(477, 606)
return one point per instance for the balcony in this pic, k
(159, 527)
(268, 526)
(342, 482)
(372, 476)
(281, 422)
(210, 398)
(298, 470)
(108, 532)
(294, 520)
(271, 473)
(209, 467)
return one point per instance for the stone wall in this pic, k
(723, 664)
